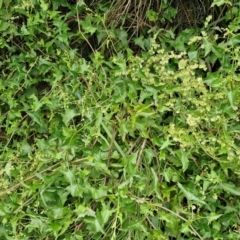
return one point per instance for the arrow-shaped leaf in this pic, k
(189, 195)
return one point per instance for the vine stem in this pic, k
(34, 175)
(177, 215)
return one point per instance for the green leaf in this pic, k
(213, 80)
(120, 61)
(65, 226)
(152, 15)
(36, 105)
(150, 154)
(189, 195)
(56, 227)
(144, 110)
(156, 183)
(140, 42)
(233, 41)
(230, 188)
(69, 176)
(43, 5)
(122, 36)
(165, 144)
(75, 190)
(192, 55)
(2, 213)
(130, 164)
(169, 13)
(185, 228)
(83, 211)
(184, 160)
(81, 3)
(106, 214)
(98, 227)
(87, 26)
(95, 224)
(68, 115)
(37, 117)
(231, 97)
(98, 193)
(213, 216)
(220, 3)
(58, 213)
(207, 46)
(8, 168)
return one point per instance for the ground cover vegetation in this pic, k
(119, 119)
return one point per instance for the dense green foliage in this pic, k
(116, 123)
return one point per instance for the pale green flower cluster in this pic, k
(193, 121)
(25, 4)
(195, 107)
